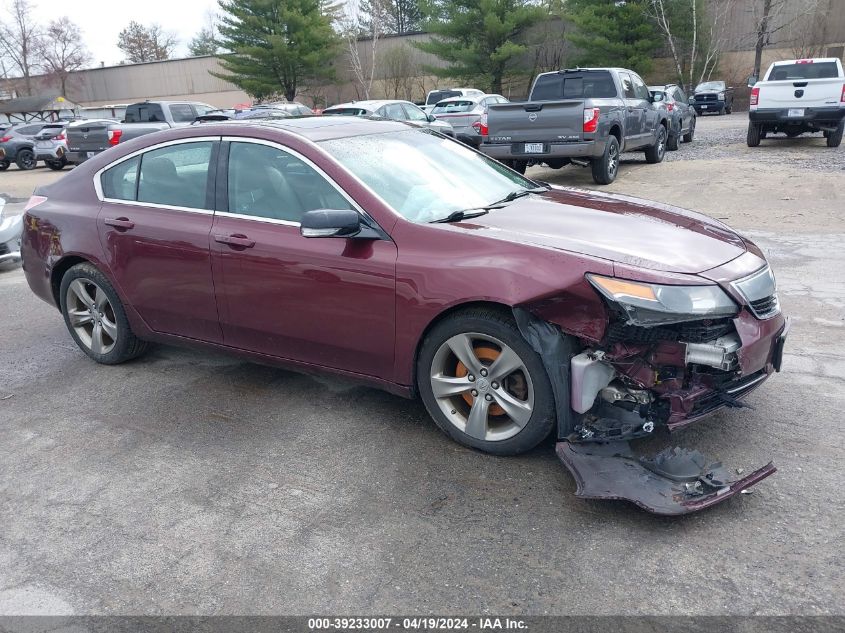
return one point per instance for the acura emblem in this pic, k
(532, 117)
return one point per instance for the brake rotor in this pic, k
(487, 355)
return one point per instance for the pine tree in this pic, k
(477, 38)
(275, 46)
(613, 33)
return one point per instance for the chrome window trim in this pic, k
(307, 161)
(98, 186)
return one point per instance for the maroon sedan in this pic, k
(406, 260)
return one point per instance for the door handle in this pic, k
(121, 224)
(237, 240)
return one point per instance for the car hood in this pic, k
(618, 228)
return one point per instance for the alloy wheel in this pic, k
(482, 386)
(91, 315)
(612, 161)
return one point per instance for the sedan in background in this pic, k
(395, 110)
(293, 108)
(412, 263)
(51, 145)
(467, 115)
(712, 97)
(671, 98)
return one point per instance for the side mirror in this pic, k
(752, 79)
(431, 118)
(330, 223)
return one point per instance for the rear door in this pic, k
(154, 225)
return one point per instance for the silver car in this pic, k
(463, 112)
(393, 109)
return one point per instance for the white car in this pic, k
(436, 96)
(464, 112)
(11, 228)
(798, 96)
(393, 109)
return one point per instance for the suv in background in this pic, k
(671, 97)
(17, 145)
(467, 116)
(712, 96)
(436, 96)
(51, 145)
(585, 116)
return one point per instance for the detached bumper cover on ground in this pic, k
(676, 481)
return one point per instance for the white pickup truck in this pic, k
(797, 96)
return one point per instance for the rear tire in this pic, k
(753, 136)
(25, 160)
(519, 166)
(606, 168)
(673, 142)
(4, 165)
(57, 165)
(528, 388)
(691, 133)
(655, 153)
(835, 138)
(95, 317)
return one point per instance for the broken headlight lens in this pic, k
(647, 304)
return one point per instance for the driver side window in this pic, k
(268, 182)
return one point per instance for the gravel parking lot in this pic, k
(188, 482)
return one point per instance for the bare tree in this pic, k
(773, 16)
(360, 39)
(808, 33)
(62, 51)
(19, 41)
(397, 68)
(146, 43)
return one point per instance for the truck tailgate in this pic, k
(92, 137)
(561, 121)
(815, 93)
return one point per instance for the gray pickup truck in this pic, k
(85, 141)
(583, 116)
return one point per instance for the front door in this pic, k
(634, 113)
(154, 225)
(323, 301)
(648, 132)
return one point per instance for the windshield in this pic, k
(424, 176)
(804, 70)
(710, 85)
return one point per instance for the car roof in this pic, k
(313, 128)
(368, 104)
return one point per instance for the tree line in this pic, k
(279, 48)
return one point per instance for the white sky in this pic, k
(102, 20)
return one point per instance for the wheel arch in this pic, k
(59, 270)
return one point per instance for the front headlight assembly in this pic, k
(647, 304)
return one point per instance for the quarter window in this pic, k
(176, 175)
(268, 182)
(119, 181)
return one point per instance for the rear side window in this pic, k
(267, 182)
(182, 112)
(807, 70)
(581, 85)
(118, 182)
(627, 86)
(145, 113)
(176, 175)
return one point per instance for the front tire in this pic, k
(95, 317)
(752, 139)
(655, 153)
(4, 165)
(26, 159)
(606, 168)
(483, 384)
(672, 143)
(691, 133)
(835, 138)
(57, 165)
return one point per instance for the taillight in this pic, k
(5, 139)
(842, 100)
(591, 119)
(481, 128)
(670, 106)
(59, 137)
(755, 95)
(114, 136)
(34, 201)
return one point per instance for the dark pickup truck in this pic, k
(86, 141)
(584, 116)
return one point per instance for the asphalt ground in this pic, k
(194, 483)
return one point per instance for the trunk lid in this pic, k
(809, 93)
(556, 121)
(89, 137)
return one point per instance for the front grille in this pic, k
(727, 393)
(693, 332)
(765, 307)
(706, 97)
